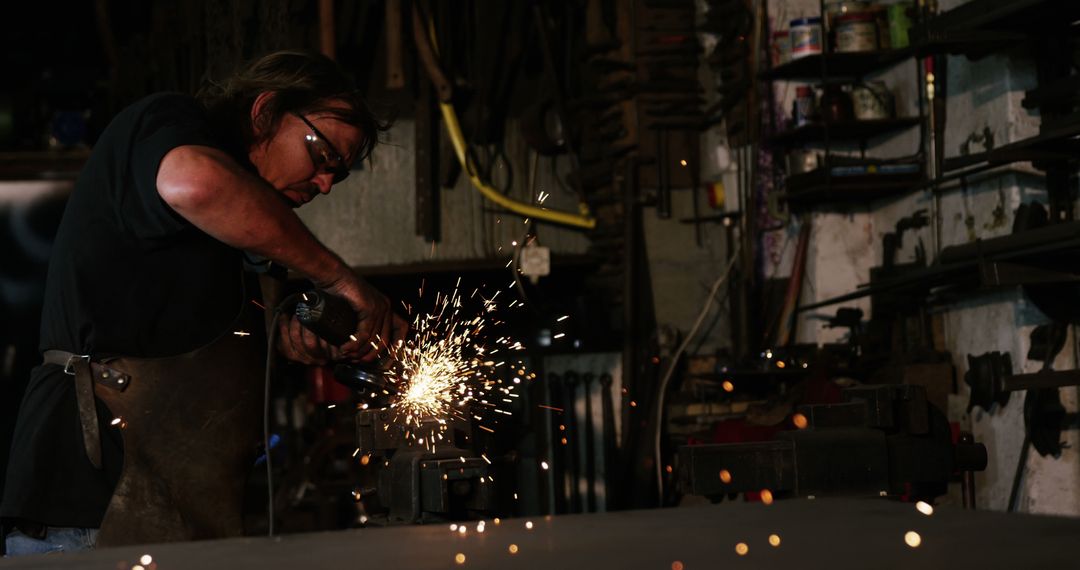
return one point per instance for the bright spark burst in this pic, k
(444, 371)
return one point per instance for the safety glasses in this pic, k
(324, 156)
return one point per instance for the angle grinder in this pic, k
(332, 319)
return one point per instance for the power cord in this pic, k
(270, 342)
(675, 360)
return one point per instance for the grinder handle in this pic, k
(328, 316)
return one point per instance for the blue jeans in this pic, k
(56, 540)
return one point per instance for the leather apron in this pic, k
(191, 426)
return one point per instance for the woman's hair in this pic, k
(303, 83)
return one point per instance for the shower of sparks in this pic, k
(445, 371)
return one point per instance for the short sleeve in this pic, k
(168, 122)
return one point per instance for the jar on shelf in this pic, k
(836, 8)
(805, 34)
(856, 32)
(835, 104)
(780, 47)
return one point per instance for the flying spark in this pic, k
(912, 539)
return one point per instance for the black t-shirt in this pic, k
(128, 276)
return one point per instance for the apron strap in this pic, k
(86, 373)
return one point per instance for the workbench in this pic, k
(821, 533)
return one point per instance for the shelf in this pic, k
(856, 130)
(848, 186)
(840, 66)
(981, 26)
(1029, 257)
(37, 165)
(1061, 143)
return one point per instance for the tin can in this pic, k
(856, 32)
(805, 34)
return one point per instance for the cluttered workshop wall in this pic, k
(369, 219)
(983, 111)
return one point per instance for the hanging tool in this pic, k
(560, 448)
(427, 48)
(569, 390)
(590, 446)
(608, 415)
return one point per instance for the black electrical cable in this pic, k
(271, 337)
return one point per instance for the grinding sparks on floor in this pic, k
(912, 539)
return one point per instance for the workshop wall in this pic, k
(369, 219)
(983, 96)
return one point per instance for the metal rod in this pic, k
(967, 481)
(1018, 477)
